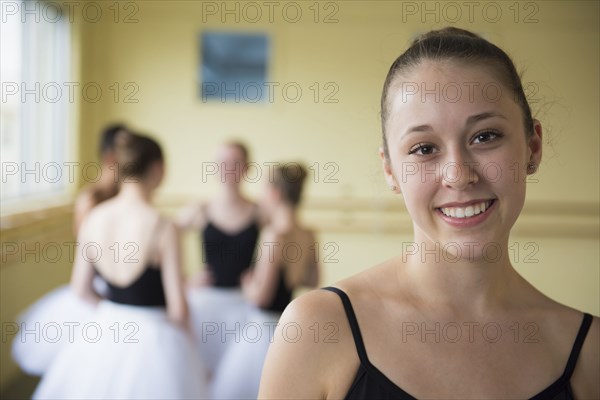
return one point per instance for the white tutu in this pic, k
(126, 352)
(216, 315)
(238, 374)
(45, 326)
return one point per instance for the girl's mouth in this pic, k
(467, 212)
(471, 214)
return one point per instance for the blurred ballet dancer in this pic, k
(285, 260)
(107, 185)
(140, 346)
(61, 305)
(229, 226)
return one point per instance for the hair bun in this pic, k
(135, 153)
(289, 179)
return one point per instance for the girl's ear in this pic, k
(535, 147)
(387, 172)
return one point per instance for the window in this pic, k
(35, 113)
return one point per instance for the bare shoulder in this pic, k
(93, 225)
(300, 234)
(372, 282)
(314, 306)
(165, 225)
(85, 196)
(314, 336)
(270, 236)
(307, 233)
(559, 326)
(585, 381)
(192, 216)
(99, 213)
(364, 282)
(322, 313)
(322, 348)
(84, 202)
(197, 207)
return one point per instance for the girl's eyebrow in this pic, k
(470, 121)
(485, 115)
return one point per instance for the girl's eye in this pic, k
(486, 136)
(422, 149)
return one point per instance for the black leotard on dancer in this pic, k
(228, 256)
(147, 290)
(371, 383)
(282, 296)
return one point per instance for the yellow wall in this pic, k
(159, 54)
(559, 54)
(37, 255)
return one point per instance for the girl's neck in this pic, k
(231, 194)
(109, 177)
(461, 286)
(135, 191)
(284, 218)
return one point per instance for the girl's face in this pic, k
(269, 199)
(232, 165)
(458, 153)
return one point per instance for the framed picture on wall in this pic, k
(233, 67)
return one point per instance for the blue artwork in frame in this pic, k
(233, 67)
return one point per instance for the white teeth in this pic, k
(484, 206)
(466, 212)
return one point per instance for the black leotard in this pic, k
(282, 296)
(147, 290)
(371, 383)
(228, 256)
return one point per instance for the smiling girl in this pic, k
(451, 318)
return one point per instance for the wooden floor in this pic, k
(22, 388)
